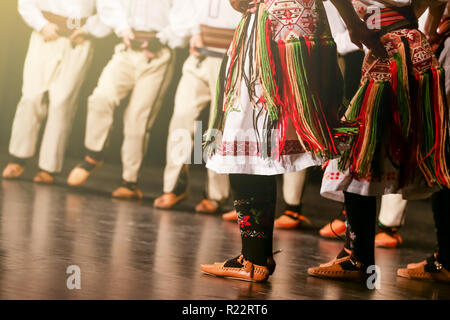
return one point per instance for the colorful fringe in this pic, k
(290, 74)
(404, 120)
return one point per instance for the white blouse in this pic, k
(31, 12)
(171, 19)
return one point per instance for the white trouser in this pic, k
(293, 184)
(196, 90)
(128, 70)
(392, 211)
(57, 69)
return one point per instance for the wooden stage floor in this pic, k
(128, 250)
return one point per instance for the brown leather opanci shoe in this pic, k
(429, 269)
(244, 270)
(126, 193)
(335, 270)
(168, 200)
(44, 177)
(13, 171)
(79, 175)
(388, 240)
(230, 216)
(207, 206)
(334, 229)
(291, 220)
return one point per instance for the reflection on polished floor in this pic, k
(128, 250)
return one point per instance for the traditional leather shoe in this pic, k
(44, 177)
(346, 268)
(230, 216)
(388, 240)
(168, 200)
(416, 264)
(241, 269)
(79, 175)
(334, 229)
(207, 206)
(13, 171)
(429, 269)
(127, 193)
(291, 220)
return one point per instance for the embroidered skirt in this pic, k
(274, 105)
(395, 134)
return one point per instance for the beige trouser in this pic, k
(53, 75)
(392, 211)
(148, 80)
(197, 88)
(293, 185)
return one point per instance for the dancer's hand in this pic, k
(127, 36)
(361, 35)
(253, 6)
(150, 55)
(50, 32)
(78, 36)
(244, 5)
(196, 42)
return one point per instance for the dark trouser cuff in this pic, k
(388, 230)
(288, 207)
(129, 185)
(97, 156)
(20, 161)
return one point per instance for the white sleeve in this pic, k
(198, 12)
(95, 27)
(31, 14)
(181, 24)
(113, 15)
(339, 30)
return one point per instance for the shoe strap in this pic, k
(88, 166)
(293, 215)
(130, 185)
(391, 231)
(349, 258)
(433, 265)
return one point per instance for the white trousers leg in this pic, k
(115, 83)
(197, 88)
(392, 211)
(293, 185)
(53, 75)
(128, 70)
(145, 103)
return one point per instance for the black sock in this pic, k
(255, 198)
(388, 230)
(361, 217)
(129, 185)
(182, 182)
(19, 161)
(441, 213)
(293, 208)
(97, 156)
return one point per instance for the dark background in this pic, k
(15, 34)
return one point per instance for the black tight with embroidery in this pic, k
(441, 213)
(361, 213)
(255, 200)
(361, 218)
